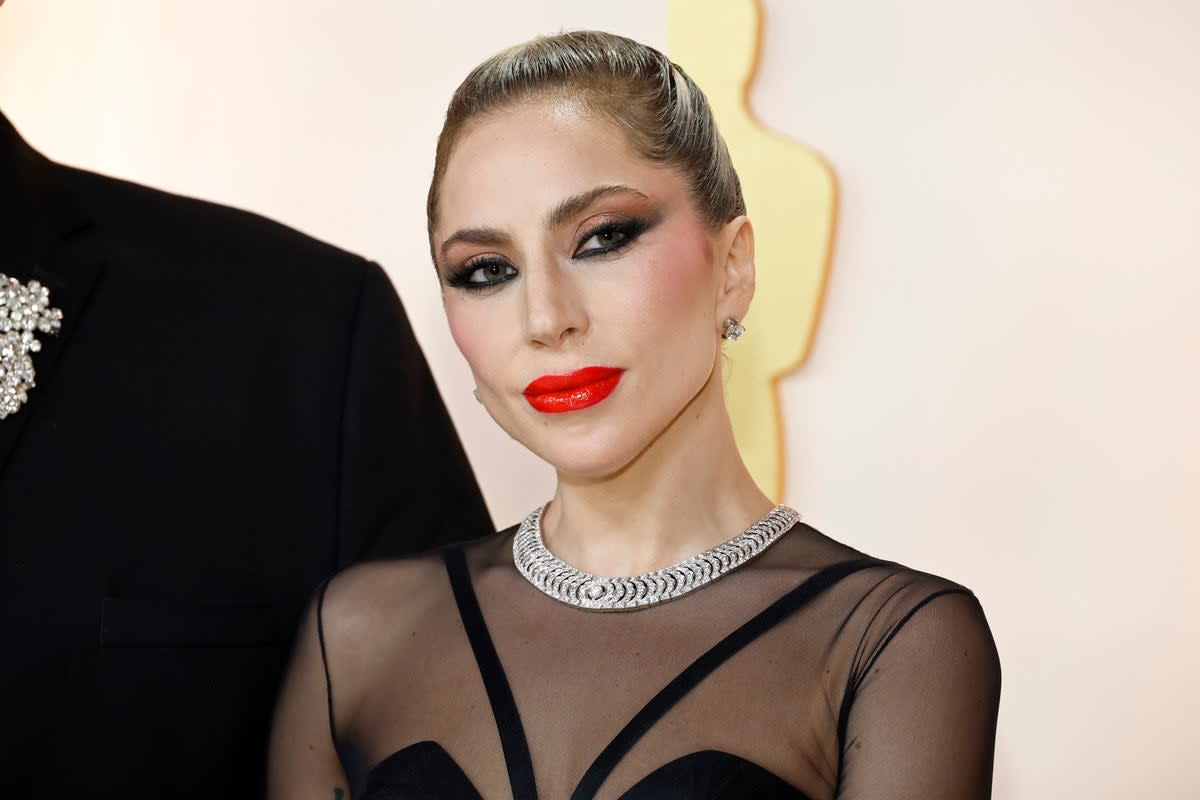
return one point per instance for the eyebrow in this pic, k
(578, 203)
(568, 208)
(492, 237)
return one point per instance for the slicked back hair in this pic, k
(662, 111)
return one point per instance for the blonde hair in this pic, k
(662, 111)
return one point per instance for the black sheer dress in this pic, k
(810, 672)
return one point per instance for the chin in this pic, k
(592, 456)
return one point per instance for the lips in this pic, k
(556, 394)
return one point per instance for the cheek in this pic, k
(677, 290)
(473, 331)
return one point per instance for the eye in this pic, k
(605, 240)
(611, 237)
(481, 274)
(489, 274)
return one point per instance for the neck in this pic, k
(665, 505)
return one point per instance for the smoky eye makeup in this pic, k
(612, 235)
(481, 272)
(606, 235)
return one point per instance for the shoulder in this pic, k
(363, 619)
(917, 622)
(873, 585)
(919, 682)
(868, 582)
(363, 601)
(949, 621)
(884, 606)
(153, 222)
(373, 601)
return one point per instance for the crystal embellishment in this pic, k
(733, 329)
(24, 309)
(581, 589)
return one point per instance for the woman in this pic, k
(594, 251)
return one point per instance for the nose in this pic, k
(554, 306)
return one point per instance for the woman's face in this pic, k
(580, 284)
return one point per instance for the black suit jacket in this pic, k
(231, 411)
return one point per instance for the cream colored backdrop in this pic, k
(1005, 382)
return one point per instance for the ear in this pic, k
(736, 270)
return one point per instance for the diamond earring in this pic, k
(732, 329)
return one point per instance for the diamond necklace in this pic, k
(597, 593)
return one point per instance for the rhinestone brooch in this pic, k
(581, 589)
(24, 308)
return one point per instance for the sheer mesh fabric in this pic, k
(844, 677)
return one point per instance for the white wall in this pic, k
(1006, 381)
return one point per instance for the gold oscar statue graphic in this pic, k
(791, 196)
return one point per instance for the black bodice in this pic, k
(796, 676)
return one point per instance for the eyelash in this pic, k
(631, 229)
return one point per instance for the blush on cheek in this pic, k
(470, 333)
(677, 276)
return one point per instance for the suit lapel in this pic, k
(46, 240)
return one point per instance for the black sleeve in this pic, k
(919, 718)
(404, 483)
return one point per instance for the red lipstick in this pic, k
(555, 394)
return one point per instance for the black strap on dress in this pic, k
(699, 669)
(504, 707)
